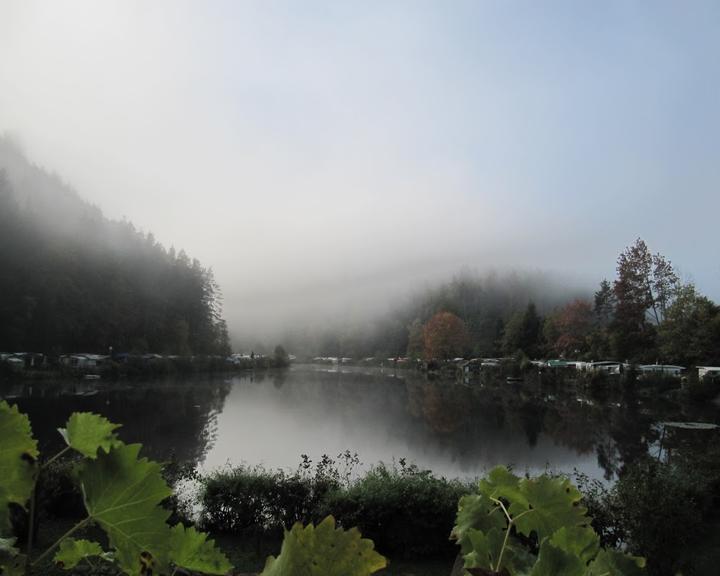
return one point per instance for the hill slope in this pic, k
(72, 280)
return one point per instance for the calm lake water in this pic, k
(455, 429)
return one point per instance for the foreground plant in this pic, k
(533, 526)
(324, 550)
(511, 526)
(122, 494)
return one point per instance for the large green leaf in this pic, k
(71, 552)
(582, 542)
(86, 432)
(552, 561)
(323, 550)
(122, 494)
(18, 461)
(500, 483)
(192, 550)
(614, 563)
(486, 549)
(476, 511)
(550, 504)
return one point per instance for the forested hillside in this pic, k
(485, 303)
(646, 314)
(72, 280)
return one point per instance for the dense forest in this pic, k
(645, 314)
(484, 302)
(72, 280)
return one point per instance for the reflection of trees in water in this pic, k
(532, 416)
(171, 419)
(444, 408)
(616, 429)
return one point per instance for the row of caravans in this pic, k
(614, 367)
(604, 366)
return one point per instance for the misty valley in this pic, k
(353, 288)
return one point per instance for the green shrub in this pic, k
(656, 510)
(661, 513)
(406, 512)
(252, 501)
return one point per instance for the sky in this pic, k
(322, 156)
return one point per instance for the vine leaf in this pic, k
(501, 483)
(12, 563)
(553, 561)
(86, 433)
(552, 504)
(323, 550)
(192, 550)
(122, 495)
(614, 563)
(475, 511)
(485, 548)
(72, 552)
(582, 542)
(18, 456)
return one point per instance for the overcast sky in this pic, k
(318, 152)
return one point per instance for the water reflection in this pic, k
(173, 419)
(454, 429)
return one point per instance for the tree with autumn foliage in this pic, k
(645, 287)
(445, 336)
(568, 330)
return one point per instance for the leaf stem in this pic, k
(58, 455)
(67, 534)
(507, 534)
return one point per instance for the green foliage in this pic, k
(551, 504)
(523, 332)
(530, 526)
(71, 552)
(12, 562)
(324, 550)
(690, 332)
(87, 433)
(17, 461)
(407, 512)
(73, 280)
(193, 551)
(677, 496)
(250, 501)
(123, 495)
(614, 563)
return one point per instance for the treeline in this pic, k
(72, 280)
(646, 314)
(485, 302)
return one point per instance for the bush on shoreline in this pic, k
(664, 511)
(407, 512)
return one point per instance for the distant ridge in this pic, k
(71, 279)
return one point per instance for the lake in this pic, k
(455, 429)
